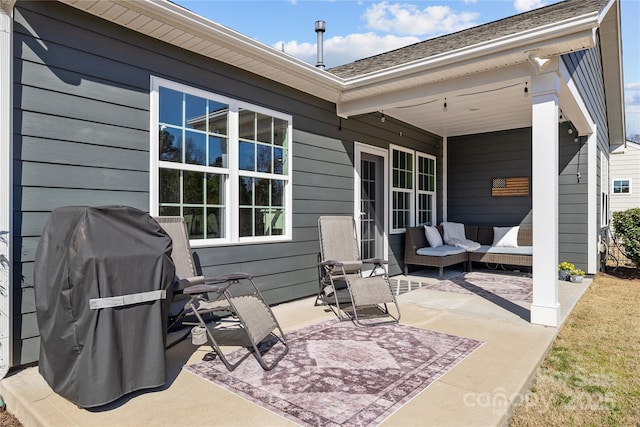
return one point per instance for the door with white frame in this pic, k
(371, 200)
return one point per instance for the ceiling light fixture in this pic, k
(444, 107)
(382, 119)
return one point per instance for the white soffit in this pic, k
(173, 24)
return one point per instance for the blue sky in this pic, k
(360, 28)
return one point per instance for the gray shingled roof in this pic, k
(504, 27)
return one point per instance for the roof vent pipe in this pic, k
(320, 28)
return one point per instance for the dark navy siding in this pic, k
(81, 122)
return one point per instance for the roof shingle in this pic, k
(493, 30)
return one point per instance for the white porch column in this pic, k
(545, 89)
(6, 181)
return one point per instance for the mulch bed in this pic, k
(625, 273)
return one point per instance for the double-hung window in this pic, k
(622, 186)
(426, 189)
(222, 164)
(413, 188)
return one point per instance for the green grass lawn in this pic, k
(591, 376)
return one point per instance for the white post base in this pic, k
(545, 315)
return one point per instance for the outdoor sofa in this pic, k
(418, 251)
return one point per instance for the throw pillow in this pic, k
(453, 231)
(506, 237)
(433, 236)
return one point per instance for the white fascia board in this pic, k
(613, 74)
(534, 37)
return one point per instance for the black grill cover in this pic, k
(94, 356)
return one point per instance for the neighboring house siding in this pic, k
(625, 164)
(82, 138)
(586, 72)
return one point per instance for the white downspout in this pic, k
(6, 183)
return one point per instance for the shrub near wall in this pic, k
(627, 229)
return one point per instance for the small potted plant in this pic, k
(564, 270)
(577, 275)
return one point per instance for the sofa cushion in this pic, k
(505, 236)
(453, 230)
(443, 250)
(433, 236)
(520, 250)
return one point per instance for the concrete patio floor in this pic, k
(477, 392)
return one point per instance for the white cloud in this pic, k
(342, 50)
(411, 20)
(526, 5)
(632, 107)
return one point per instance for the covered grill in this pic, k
(103, 278)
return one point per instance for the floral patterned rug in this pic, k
(338, 374)
(509, 287)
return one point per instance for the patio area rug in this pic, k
(509, 287)
(338, 374)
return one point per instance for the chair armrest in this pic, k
(378, 261)
(202, 289)
(331, 263)
(228, 278)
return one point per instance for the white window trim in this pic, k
(435, 185)
(232, 170)
(412, 199)
(613, 180)
(414, 191)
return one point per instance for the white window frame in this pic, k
(411, 192)
(613, 187)
(433, 193)
(232, 170)
(415, 192)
